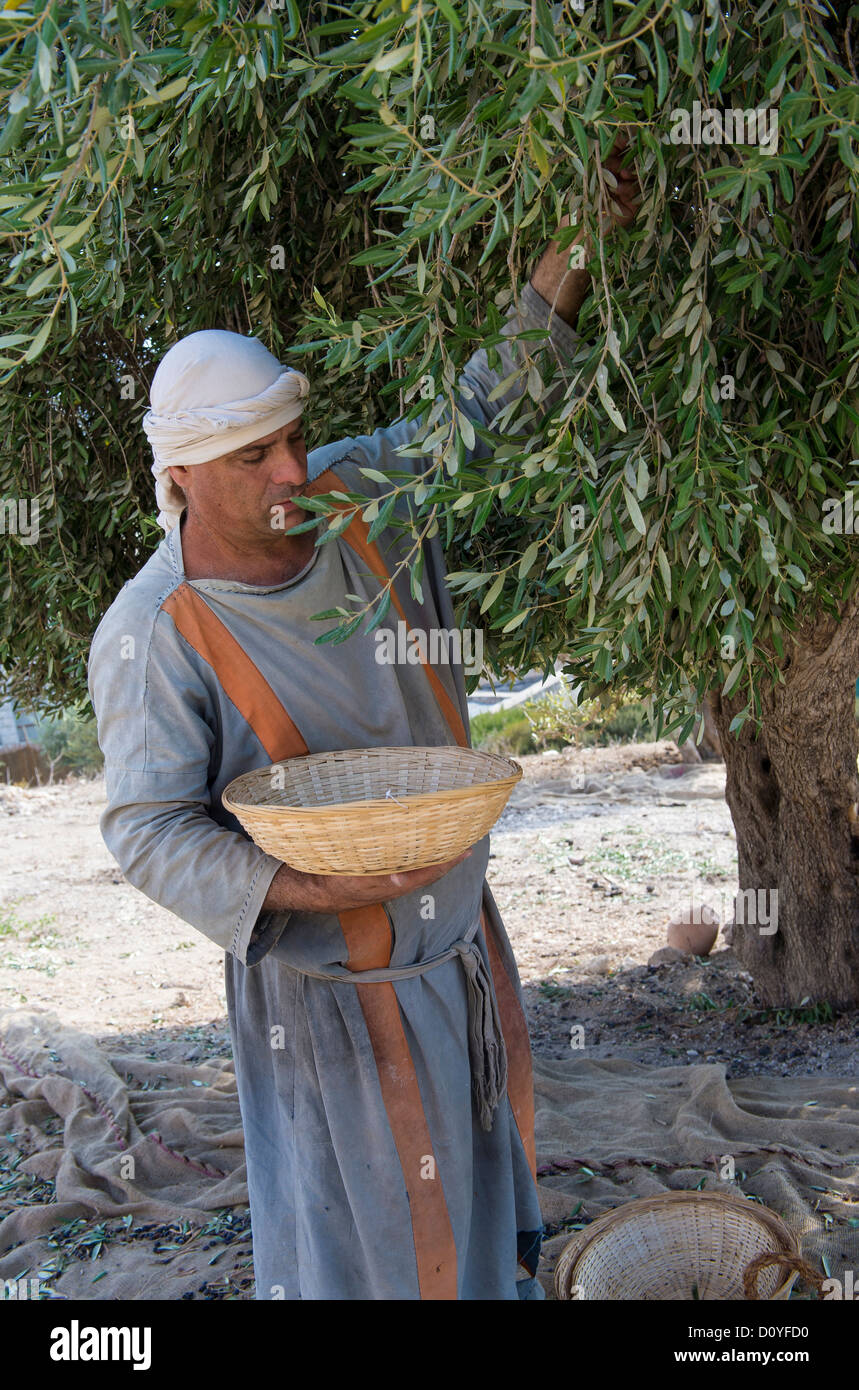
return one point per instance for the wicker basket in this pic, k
(679, 1245)
(372, 810)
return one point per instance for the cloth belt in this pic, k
(487, 1052)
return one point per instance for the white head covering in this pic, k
(214, 392)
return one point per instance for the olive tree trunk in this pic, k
(792, 788)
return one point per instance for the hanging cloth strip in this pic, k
(486, 1049)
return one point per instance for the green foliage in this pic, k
(149, 233)
(699, 1003)
(412, 160)
(12, 925)
(609, 719)
(807, 1011)
(507, 732)
(72, 739)
(554, 721)
(630, 723)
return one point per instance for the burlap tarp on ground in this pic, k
(644, 1130)
(78, 1112)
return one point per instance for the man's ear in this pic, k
(179, 475)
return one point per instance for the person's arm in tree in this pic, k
(553, 286)
(565, 289)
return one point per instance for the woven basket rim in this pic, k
(376, 750)
(580, 1242)
(406, 799)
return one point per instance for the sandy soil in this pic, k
(78, 939)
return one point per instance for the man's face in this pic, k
(245, 496)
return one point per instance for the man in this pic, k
(381, 1050)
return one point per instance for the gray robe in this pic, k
(336, 1212)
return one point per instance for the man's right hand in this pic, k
(625, 196)
(293, 891)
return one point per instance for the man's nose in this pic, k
(288, 464)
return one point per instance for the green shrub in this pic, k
(505, 731)
(70, 741)
(630, 724)
(554, 721)
(557, 716)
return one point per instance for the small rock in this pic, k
(633, 782)
(596, 965)
(667, 955)
(689, 753)
(693, 928)
(592, 784)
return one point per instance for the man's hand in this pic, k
(624, 194)
(291, 890)
(554, 281)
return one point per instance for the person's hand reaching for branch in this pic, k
(565, 288)
(623, 192)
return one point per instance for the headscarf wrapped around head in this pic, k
(214, 392)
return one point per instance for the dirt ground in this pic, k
(595, 851)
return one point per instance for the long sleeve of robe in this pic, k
(331, 1214)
